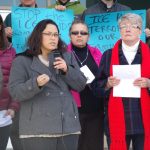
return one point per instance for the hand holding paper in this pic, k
(112, 81)
(142, 82)
(127, 75)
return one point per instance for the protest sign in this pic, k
(25, 19)
(104, 29)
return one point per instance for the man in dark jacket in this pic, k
(104, 6)
(23, 3)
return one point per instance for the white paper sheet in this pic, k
(4, 120)
(127, 74)
(88, 74)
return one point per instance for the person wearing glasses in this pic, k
(41, 81)
(90, 107)
(127, 117)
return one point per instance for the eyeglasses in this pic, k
(79, 32)
(134, 26)
(56, 35)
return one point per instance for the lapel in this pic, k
(40, 68)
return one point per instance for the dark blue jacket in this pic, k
(132, 109)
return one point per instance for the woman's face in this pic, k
(50, 38)
(79, 35)
(130, 32)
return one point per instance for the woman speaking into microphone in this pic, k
(48, 116)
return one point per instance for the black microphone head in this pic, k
(57, 53)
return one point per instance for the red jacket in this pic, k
(6, 58)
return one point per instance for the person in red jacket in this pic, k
(7, 106)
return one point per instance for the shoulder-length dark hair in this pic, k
(3, 38)
(35, 40)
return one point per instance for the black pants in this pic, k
(68, 142)
(92, 131)
(14, 135)
(4, 135)
(137, 141)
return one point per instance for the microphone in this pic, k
(57, 53)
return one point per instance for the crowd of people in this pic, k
(58, 96)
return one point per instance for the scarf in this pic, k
(115, 105)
